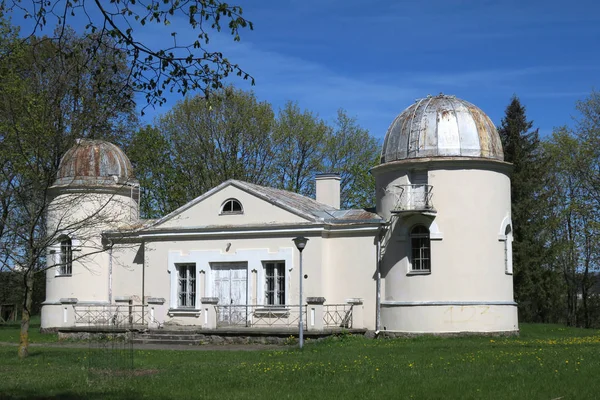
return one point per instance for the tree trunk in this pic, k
(23, 350)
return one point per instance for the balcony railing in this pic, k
(337, 316)
(259, 316)
(412, 198)
(114, 316)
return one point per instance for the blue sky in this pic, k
(374, 58)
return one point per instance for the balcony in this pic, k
(412, 198)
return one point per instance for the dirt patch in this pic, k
(124, 372)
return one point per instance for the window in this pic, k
(275, 283)
(65, 266)
(187, 285)
(420, 249)
(508, 262)
(232, 206)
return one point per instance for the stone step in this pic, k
(170, 337)
(168, 341)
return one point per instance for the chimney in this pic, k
(328, 189)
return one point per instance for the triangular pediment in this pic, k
(259, 206)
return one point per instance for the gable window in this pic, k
(232, 206)
(65, 266)
(275, 283)
(420, 249)
(186, 290)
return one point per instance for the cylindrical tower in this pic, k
(95, 191)
(442, 185)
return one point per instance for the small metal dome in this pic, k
(441, 126)
(95, 162)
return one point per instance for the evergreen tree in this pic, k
(534, 283)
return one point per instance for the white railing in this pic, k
(337, 316)
(113, 316)
(412, 197)
(259, 316)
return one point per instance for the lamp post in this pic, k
(300, 243)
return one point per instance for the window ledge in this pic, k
(194, 312)
(418, 273)
(62, 275)
(232, 213)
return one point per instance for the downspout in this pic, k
(143, 273)
(378, 282)
(110, 264)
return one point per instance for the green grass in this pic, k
(9, 332)
(545, 362)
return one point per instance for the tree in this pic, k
(160, 184)
(50, 98)
(534, 285)
(202, 142)
(152, 70)
(573, 219)
(567, 220)
(308, 145)
(588, 133)
(300, 139)
(351, 151)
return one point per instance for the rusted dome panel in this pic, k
(441, 126)
(94, 162)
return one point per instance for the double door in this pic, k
(230, 286)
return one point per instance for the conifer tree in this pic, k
(534, 284)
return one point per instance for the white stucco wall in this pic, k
(162, 255)
(127, 271)
(207, 212)
(468, 269)
(349, 272)
(83, 216)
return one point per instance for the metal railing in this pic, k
(114, 316)
(412, 197)
(337, 316)
(259, 316)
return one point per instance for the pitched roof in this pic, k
(295, 203)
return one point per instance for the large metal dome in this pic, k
(95, 162)
(441, 126)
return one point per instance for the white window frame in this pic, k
(505, 235)
(417, 267)
(230, 203)
(65, 256)
(508, 253)
(189, 283)
(279, 278)
(254, 257)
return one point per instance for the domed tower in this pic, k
(443, 186)
(95, 191)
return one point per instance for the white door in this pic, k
(419, 190)
(230, 286)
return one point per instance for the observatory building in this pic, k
(434, 257)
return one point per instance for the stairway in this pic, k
(170, 337)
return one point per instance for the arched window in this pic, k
(508, 257)
(65, 266)
(420, 249)
(232, 206)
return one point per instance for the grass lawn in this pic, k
(9, 332)
(545, 362)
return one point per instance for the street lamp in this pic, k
(300, 243)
